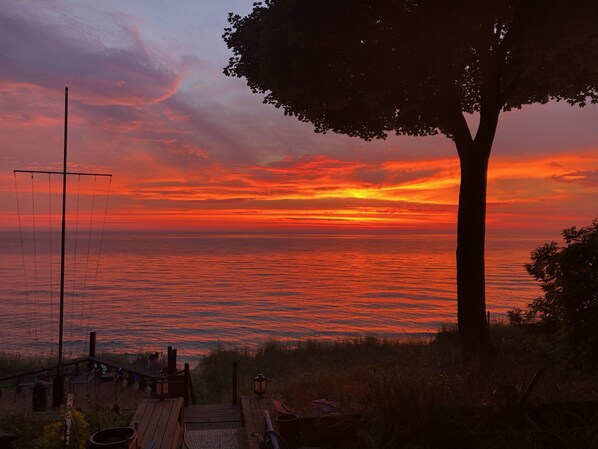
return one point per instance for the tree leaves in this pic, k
(568, 277)
(366, 68)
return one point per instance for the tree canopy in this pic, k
(417, 67)
(366, 68)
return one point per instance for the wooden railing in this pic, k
(179, 383)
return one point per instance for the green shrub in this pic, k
(568, 276)
(103, 417)
(53, 434)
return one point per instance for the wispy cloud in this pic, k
(107, 64)
(191, 148)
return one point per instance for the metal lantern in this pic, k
(162, 385)
(259, 385)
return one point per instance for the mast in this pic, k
(59, 389)
(63, 239)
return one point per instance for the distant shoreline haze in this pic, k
(196, 291)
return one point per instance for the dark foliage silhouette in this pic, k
(367, 68)
(568, 276)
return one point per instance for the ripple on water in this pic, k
(194, 292)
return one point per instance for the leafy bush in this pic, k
(103, 417)
(53, 434)
(568, 276)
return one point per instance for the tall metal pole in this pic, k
(58, 388)
(58, 395)
(63, 244)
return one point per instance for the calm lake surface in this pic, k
(192, 291)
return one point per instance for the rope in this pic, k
(95, 178)
(35, 303)
(74, 266)
(51, 265)
(25, 277)
(35, 279)
(98, 260)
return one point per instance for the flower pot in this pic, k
(114, 438)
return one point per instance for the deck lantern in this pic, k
(259, 384)
(162, 385)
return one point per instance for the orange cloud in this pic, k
(317, 190)
(314, 191)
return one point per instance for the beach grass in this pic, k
(13, 362)
(412, 393)
(409, 392)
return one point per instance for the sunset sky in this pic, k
(192, 149)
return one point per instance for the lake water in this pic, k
(192, 291)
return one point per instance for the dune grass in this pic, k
(302, 371)
(344, 370)
(411, 393)
(11, 363)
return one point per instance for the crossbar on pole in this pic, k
(62, 173)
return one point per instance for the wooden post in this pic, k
(173, 361)
(235, 382)
(92, 344)
(92, 350)
(488, 318)
(68, 420)
(187, 377)
(169, 369)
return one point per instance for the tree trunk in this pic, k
(471, 231)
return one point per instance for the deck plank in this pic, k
(143, 424)
(139, 413)
(174, 426)
(160, 422)
(214, 413)
(253, 408)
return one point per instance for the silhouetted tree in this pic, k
(365, 68)
(568, 276)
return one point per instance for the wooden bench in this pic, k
(159, 423)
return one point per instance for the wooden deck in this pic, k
(159, 423)
(253, 408)
(214, 427)
(165, 423)
(228, 426)
(217, 416)
(88, 395)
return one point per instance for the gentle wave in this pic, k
(196, 291)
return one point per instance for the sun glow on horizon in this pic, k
(308, 194)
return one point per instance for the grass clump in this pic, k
(302, 371)
(11, 363)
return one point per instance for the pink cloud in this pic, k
(587, 178)
(40, 51)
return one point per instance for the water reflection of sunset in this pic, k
(202, 290)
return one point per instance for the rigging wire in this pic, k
(93, 291)
(86, 271)
(51, 264)
(25, 277)
(74, 266)
(35, 289)
(35, 278)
